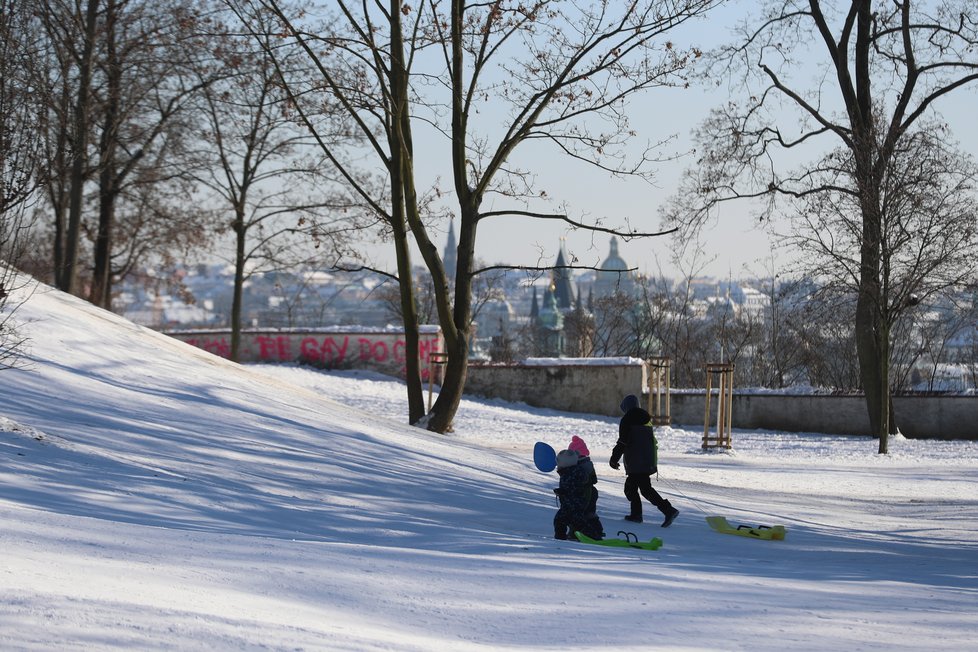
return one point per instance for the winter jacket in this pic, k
(575, 490)
(636, 443)
(578, 496)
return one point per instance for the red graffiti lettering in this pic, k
(328, 352)
(399, 351)
(373, 351)
(309, 350)
(427, 347)
(387, 352)
(332, 352)
(274, 348)
(219, 346)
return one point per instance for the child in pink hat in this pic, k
(577, 493)
(578, 446)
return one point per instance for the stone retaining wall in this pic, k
(572, 385)
(598, 389)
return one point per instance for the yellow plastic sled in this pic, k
(764, 532)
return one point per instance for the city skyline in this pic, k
(735, 245)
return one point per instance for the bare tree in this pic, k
(928, 240)
(580, 332)
(145, 85)
(615, 324)
(364, 64)
(560, 70)
(683, 332)
(259, 162)
(85, 25)
(932, 328)
(575, 66)
(779, 354)
(885, 66)
(22, 95)
(117, 70)
(827, 340)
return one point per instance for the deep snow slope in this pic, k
(153, 496)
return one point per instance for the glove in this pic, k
(614, 465)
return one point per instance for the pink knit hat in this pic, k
(577, 445)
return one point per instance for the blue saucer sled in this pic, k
(544, 457)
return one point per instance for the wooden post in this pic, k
(724, 374)
(436, 365)
(659, 399)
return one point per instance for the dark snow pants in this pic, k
(571, 517)
(642, 484)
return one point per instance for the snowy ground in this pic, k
(153, 496)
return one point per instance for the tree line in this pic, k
(290, 134)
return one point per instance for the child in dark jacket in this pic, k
(636, 443)
(577, 496)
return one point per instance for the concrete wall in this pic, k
(375, 349)
(563, 385)
(596, 389)
(924, 417)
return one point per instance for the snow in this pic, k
(156, 497)
(584, 362)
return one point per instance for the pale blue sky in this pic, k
(734, 245)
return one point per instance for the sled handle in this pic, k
(630, 537)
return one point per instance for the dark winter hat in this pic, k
(629, 402)
(566, 458)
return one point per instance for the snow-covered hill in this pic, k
(153, 496)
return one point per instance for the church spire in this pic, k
(451, 251)
(563, 289)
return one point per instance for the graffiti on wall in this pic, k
(379, 351)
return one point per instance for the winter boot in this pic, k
(671, 515)
(634, 518)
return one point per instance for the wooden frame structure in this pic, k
(436, 367)
(724, 374)
(660, 405)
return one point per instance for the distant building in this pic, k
(496, 317)
(550, 327)
(562, 283)
(753, 301)
(614, 277)
(450, 257)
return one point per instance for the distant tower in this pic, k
(614, 277)
(550, 326)
(451, 251)
(562, 284)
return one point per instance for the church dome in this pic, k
(614, 276)
(614, 262)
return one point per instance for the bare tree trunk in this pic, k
(404, 207)
(58, 188)
(100, 293)
(240, 234)
(457, 345)
(871, 333)
(79, 156)
(412, 330)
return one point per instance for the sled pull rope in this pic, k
(696, 503)
(679, 491)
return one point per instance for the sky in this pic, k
(156, 497)
(734, 244)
